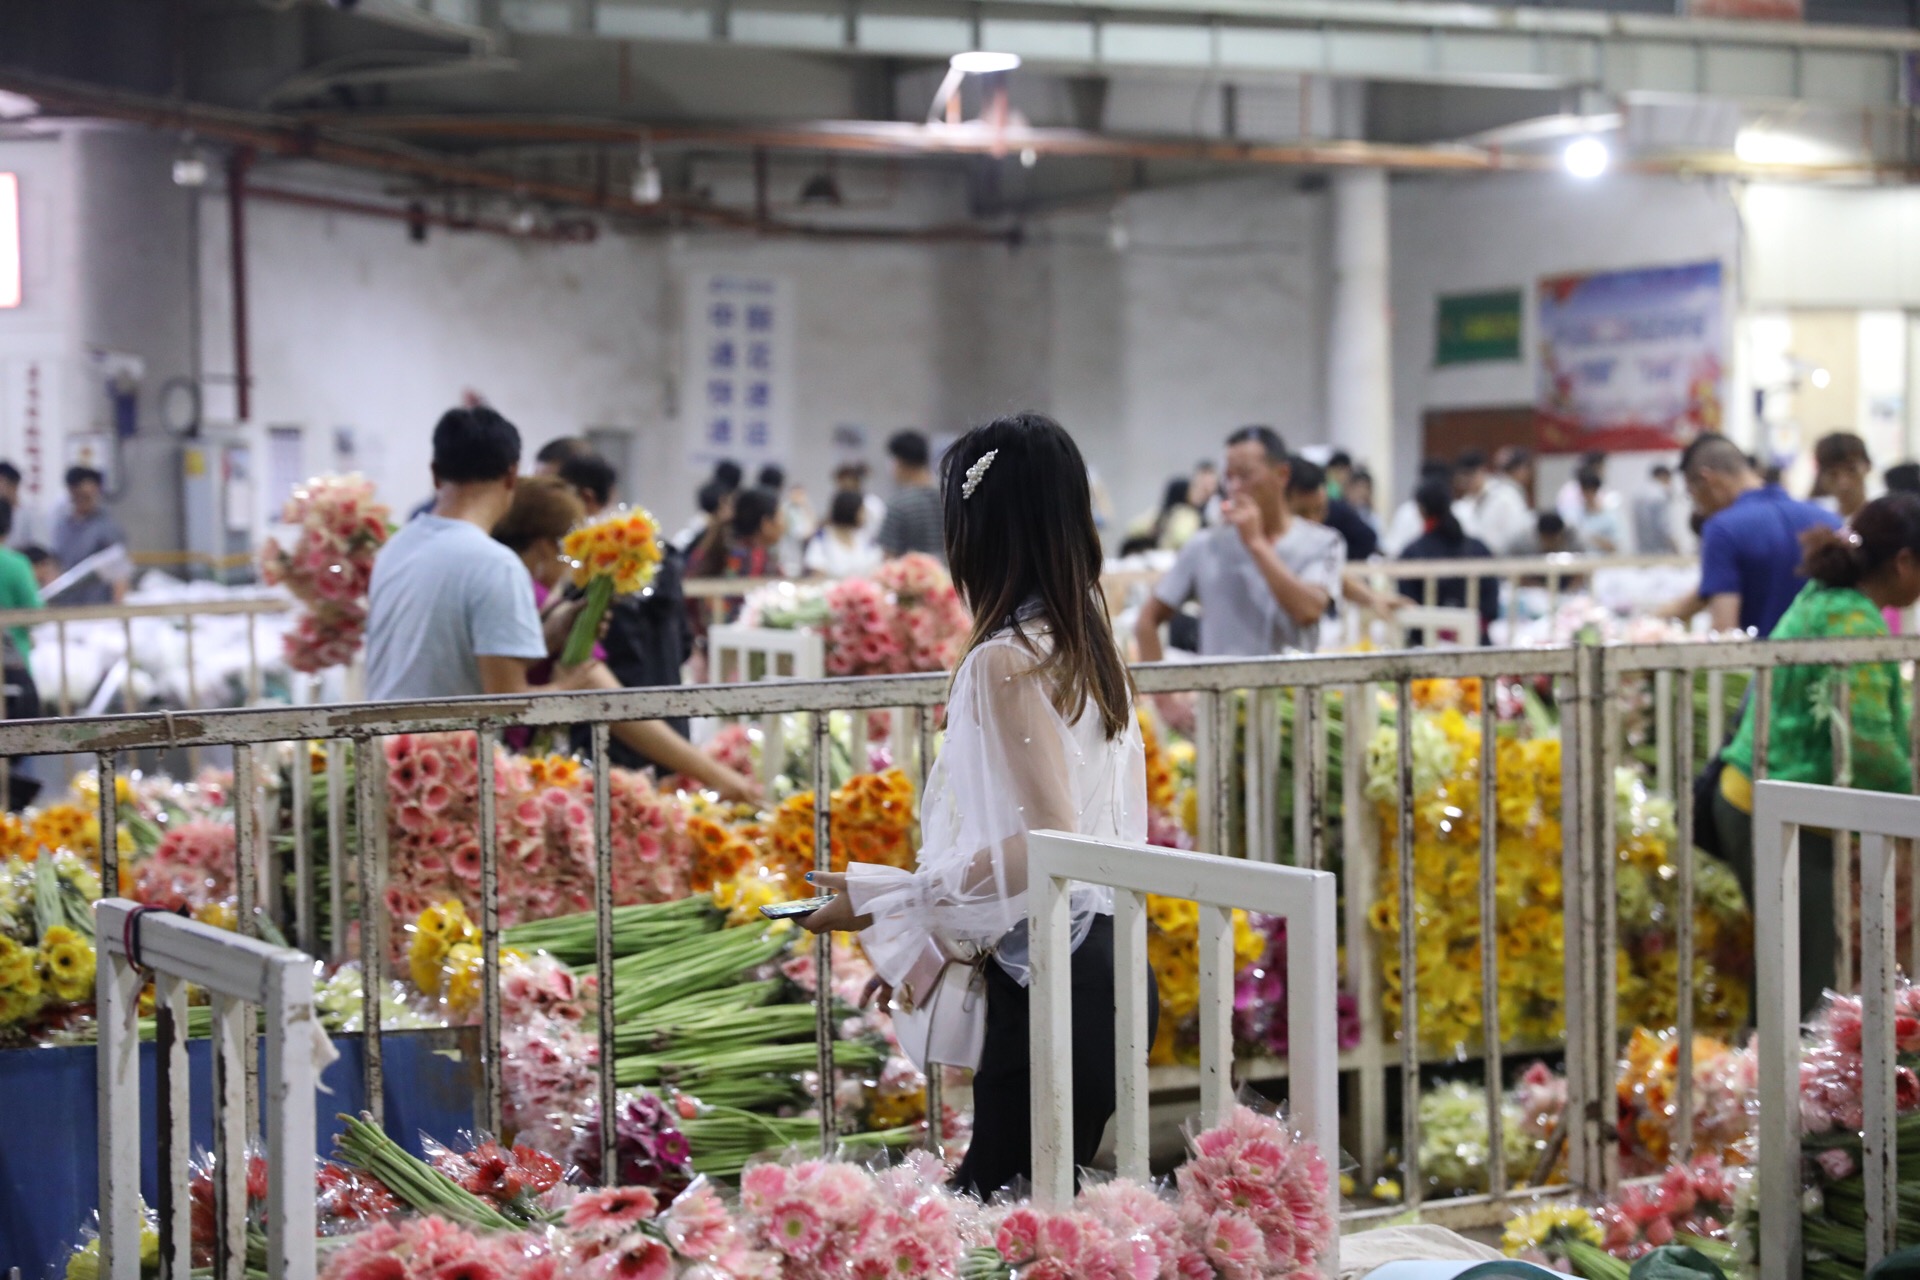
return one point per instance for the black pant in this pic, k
(1002, 1147)
(1819, 944)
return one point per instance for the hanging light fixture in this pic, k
(190, 168)
(1586, 158)
(647, 186)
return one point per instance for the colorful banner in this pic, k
(1631, 359)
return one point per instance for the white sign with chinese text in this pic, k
(737, 398)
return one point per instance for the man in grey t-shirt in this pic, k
(1264, 579)
(450, 611)
(914, 520)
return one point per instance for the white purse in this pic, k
(940, 1009)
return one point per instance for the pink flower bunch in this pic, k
(341, 527)
(929, 622)
(1541, 1095)
(1830, 1066)
(859, 637)
(191, 867)
(1693, 1198)
(825, 1218)
(1137, 1215)
(1063, 1245)
(1253, 1197)
(545, 833)
(702, 1231)
(547, 1080)
(1260, 995)
(432, 1248)
(539, 985)
(649, 1149)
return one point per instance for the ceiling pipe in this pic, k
(578, 231)
(285, 137)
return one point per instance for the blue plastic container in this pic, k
(49, 1144)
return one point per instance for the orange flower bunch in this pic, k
(554, 771)
(720, 852)
(872, 822)
(1162, 784)
(622, 545)
(1444, 695)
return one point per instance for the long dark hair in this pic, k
(1878, 532)
(1026, 534)
(1434, 497)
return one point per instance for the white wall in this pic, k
(1206, 321)
(38, 334)
(1463, 235)
(1832, 247)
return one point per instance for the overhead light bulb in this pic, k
(1118, 237)
(1586, 157)
(981, 62)
(190, 167)
(1821, 379)
(1029, 157)
(17, 106)
(647, 187)
(523, 222)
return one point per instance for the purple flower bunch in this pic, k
(1260, 996)
(649, 1149)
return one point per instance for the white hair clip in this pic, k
(976, 473)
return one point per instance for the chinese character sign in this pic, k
(738, 400)
(1631, 359)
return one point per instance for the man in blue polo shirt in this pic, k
(1750, 548)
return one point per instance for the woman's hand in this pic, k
(837, 916)
(877, 988)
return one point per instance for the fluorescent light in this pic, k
(981, 62)
(647, 187)
(1756, 145)
(9, 240)
(17, 106)
(1586, 157)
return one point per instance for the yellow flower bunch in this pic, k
(1162, 784)
(1537, 1229)
(68, 826)
(21, 992)
(1173, 950)
(445, 956)
(1447, 695)
(741, 896)
(67, 960)
(623, 545)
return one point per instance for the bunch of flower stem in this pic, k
(638, 928)
(695, 1072)
(732, 1001)
(649, 979)
(724, 1027)
(365, 1146)
(724, 1138)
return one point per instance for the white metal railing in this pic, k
(239, 973)
(1587, 681)
(1305, 899)
(1780, 810)
(744, 655)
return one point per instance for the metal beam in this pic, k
(1357, 39)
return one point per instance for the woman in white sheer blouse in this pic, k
(1041, 735)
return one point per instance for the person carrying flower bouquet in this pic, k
(1853, 574)
(544, 510)
(1041, 734)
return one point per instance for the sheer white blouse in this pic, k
(1011, 764)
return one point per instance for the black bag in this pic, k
(1706, 832)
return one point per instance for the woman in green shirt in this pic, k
(1854, 573)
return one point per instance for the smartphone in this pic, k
(796, 909)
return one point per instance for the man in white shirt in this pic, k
(1263, 578)
(1502, 516)
(450, 611)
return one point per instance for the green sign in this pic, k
(1478, 326)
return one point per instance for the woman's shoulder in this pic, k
(1822, 610)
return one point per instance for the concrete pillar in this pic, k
(1359, 348)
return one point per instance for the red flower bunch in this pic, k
(1696, 1199)
(347, 1197)
(500, 1174)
